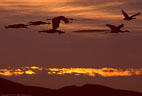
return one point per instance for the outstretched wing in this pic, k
(125, 14)
(112, 27)
(120, 26)
(135, 14)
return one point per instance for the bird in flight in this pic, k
(127, 17)
(57, 20)
(56, 24)
(17, 26)
(35, 23)
(116, 29)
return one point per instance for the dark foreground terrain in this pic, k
(10, 88)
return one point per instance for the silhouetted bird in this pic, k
(116, 29)
(56, 21)
(17, 26)
(38, 23)
(127, 17)
(56, 24)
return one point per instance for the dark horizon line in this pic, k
(11, 87)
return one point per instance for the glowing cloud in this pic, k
(92, 72)
(105, 72)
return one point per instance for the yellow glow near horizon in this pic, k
(105, 72)
(30, 72)
(92, 72)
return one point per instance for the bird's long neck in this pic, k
(64, 19)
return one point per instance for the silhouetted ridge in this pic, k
(69, 87)
(95, 90)
(9, 87)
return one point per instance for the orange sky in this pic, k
(21, 47)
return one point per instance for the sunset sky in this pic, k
(91, 52)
